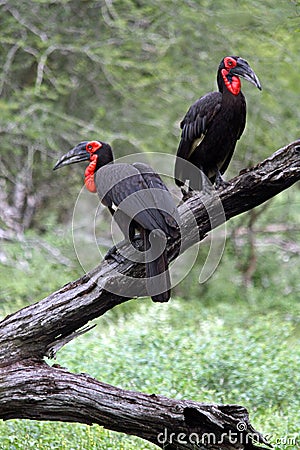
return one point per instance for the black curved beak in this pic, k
(242, 69)
(77, 154)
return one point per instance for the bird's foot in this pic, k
(186, 194)
(221, 184)
(137, 242)
(113, 254)
(118, 254)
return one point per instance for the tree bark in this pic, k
(29, 388)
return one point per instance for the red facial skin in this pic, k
(234, 86)
(89, 174)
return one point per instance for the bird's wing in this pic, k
(166, 213)
(116, 182)
(243, 113)
(197, 121)
(243, 117)
(126, 187)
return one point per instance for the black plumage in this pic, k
(212, 126)
(139, 201)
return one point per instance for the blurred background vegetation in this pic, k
(125, 72)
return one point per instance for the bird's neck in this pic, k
(96, 161)
(89, 174)
(228, 83)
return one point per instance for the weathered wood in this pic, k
(30, 388)
(37, 391)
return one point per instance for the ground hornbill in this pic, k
(212, 126)
(139, 201)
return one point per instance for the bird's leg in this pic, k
(183, 192)
(186, 194)
(206, 186)
(185, 187)
(113, 251)
(136, 240)
(201, 184)
(219, 182)
(186, 191)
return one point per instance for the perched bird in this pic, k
(212, 126)
(139, 201)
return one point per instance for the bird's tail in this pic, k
(187, 171)
(179, 172)
(157, 273)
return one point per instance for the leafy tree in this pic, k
(127, 71)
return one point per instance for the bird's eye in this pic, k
(93, 146)
(229, 62)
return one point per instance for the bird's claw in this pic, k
(186, 194)
(221, 184)
(113, 254)
(137, 242)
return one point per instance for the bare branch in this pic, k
(21, 20)
(6, 67)
(52, 393)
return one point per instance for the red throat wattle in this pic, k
(89, 174)
(233, 86)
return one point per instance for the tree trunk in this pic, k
(29, 388)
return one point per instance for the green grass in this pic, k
(226, 354)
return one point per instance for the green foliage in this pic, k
(276, 253)
(127, 71)
(35, 267)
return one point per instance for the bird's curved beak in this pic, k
(242, 69)
(77, 154)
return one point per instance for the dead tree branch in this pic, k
(32, 389)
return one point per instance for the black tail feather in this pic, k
(157, 273)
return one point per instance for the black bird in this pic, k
(212, 126)
(139, 201)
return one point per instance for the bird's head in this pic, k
(231, 69)
(98, 153)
